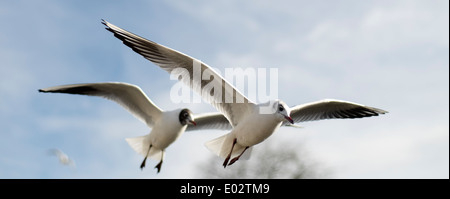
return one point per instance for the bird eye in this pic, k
(280, 108)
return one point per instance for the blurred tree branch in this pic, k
(268, 161)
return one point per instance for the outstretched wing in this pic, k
(210, 121)
(129, 96)
(213, 89)
(332, 109)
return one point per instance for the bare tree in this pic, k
(268, 161)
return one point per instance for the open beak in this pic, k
(289, 119)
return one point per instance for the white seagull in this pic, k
(166, 126)
(252, 123)
(62, 157)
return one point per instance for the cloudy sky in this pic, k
(392, 55)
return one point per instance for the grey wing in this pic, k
(129, 96)
(218, 92)
(210, 121)
(332, 109)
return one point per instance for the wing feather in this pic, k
(332, 109)
(210, 121)
(223, 96)
(131, 97)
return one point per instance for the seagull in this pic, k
(251, 123)
(166, 126)
(62, 157)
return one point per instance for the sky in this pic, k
(392, 55)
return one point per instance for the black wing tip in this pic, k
(104, 22)
(381, 111)
(48, 91)
(81, 90)
(376, 111)
(361, 113)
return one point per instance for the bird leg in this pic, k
(145, 159)
(237, 158)
(158, 166)
(225, 163)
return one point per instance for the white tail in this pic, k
(140, 145)
(215, 145)
(221, 146)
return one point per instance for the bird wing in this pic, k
(131, 97)
(210, 121)
(332, 109)
(214, 89)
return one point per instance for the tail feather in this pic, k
(215, 145)
(141, 144)
(221, 147)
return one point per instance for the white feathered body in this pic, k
(167, 129)
(254, 129)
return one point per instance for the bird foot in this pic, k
(233, 160)
(143, 163)
(225, 163)
(158, 166)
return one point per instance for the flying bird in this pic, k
(62, 157)
(166, 126)
(251, 123)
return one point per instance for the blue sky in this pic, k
(387, 54)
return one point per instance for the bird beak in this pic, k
(289, 119)
(192, 122)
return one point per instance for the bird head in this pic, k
(282, 111)
(186, 117)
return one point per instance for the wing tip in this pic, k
(80, 90)
(46, 91)
(107, 24)
(104, 22)
(379, 111)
